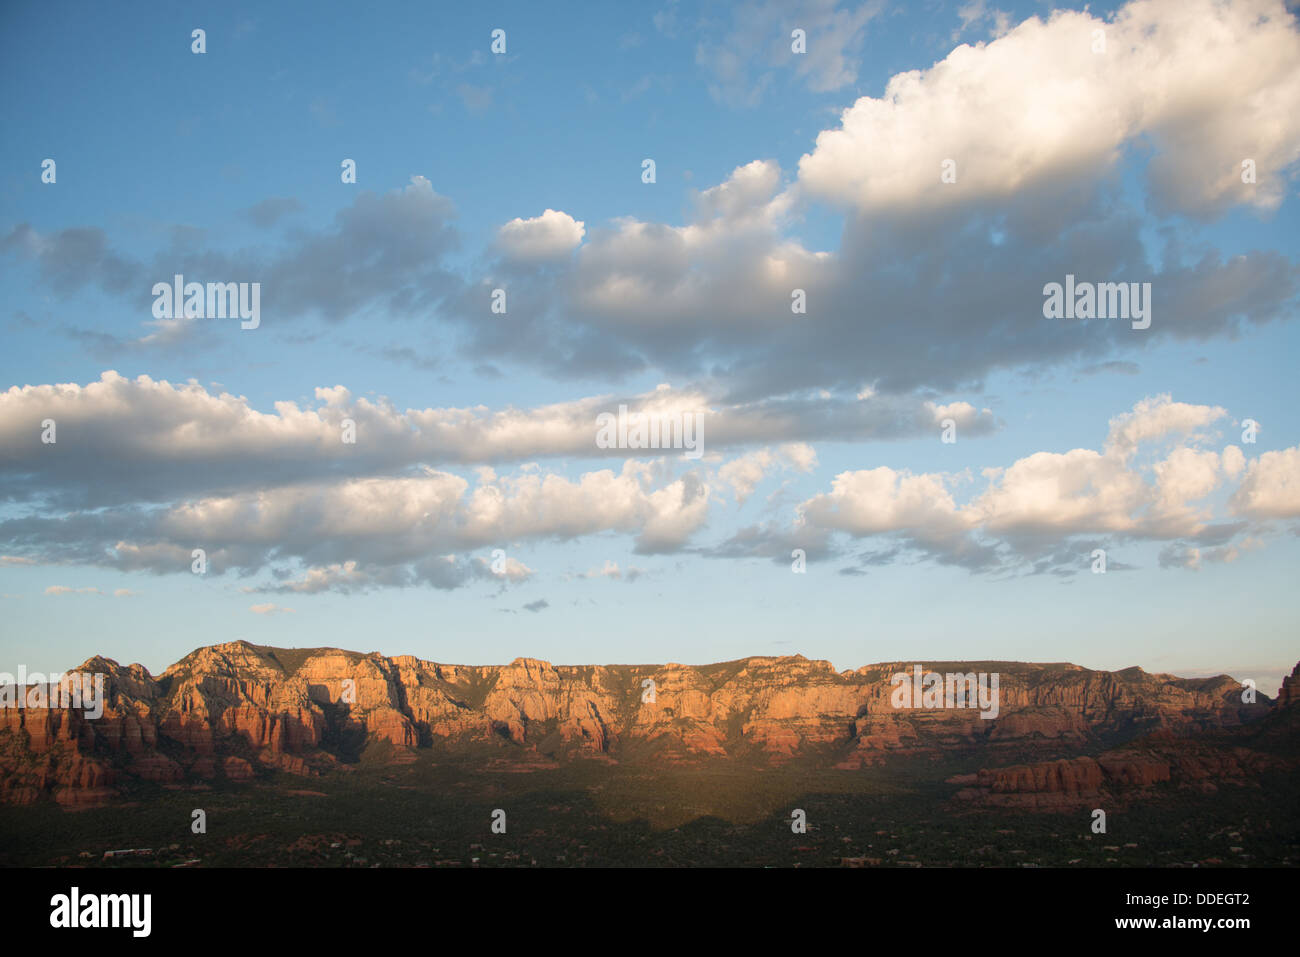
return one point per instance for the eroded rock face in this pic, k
(1162, 758)
(1113, 777)
(234, 709)
(1289, 694)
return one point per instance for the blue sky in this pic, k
(774, 170)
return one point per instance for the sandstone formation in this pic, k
(1203, 762)
(1113, 776)
(1289, 693)
(236, 711)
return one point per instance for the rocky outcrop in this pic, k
(1234, 757)
(1115, 777)
(234, 711)
(1289, 694)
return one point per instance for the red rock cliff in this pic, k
(301, 710)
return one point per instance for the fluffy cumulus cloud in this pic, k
(918, 509)
(143, 471)
(1271, 488)
(746, 194)
(649, 282)
(150, 440)
(1033, 509)
(1058, 98)
(745, 472)
(548, 236)
(932, 286)
(352, 534)
(1156, 477)
(1156, 417)
(777, 346)
(1048, 495)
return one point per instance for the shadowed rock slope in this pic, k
(1204, 762)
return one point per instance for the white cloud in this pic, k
(1210, 84)
(872, 501)
(747, 192)
(189, 439)
(355, 533)
(1271, 488)
(392, 531)
(745, 472)
(1155, 418)
(1043, 500)
(542, 238)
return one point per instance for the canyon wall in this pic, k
(228, 710)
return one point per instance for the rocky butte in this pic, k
(1202, 762)
(237, 711)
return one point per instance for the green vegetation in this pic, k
(591, 813)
